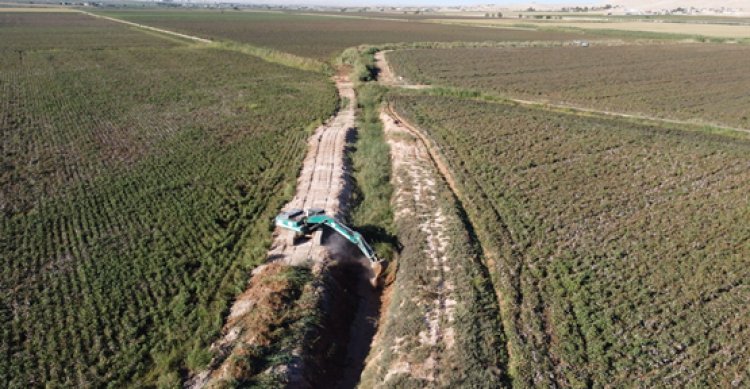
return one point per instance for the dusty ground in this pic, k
(323, 180)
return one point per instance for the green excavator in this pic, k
(309, 223)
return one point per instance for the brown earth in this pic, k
(323, 180)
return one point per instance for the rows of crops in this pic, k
(318, 36)
(137, 189)
(619, 249)
(20, 32)
(678, 81)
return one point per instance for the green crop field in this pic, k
(139, 177)
(321, 37)
(20, 31)
(677, 81)
(567, 247)
(620, 249)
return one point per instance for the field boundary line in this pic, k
(145, 27)
(566, 108)
(577, 110)
(267, 54)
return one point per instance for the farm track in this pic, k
(388, 77)
(416, 198)
(323, 180)
(145, 27)
(436, 272)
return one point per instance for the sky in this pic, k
(425, 3)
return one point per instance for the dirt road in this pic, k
(145, 27)
(323, 181)
(417, 184)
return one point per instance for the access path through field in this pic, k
(323, 180)
(143, 26)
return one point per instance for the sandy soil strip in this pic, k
(415, 181)
(323, 181)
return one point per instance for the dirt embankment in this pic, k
(439, 310)
(415, 181)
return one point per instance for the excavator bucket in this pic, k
(376, 269)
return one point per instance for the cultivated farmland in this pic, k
(21, 31)
(138, 182)
(619, 249)
(524, 245)
(694, 82)
(322, 37)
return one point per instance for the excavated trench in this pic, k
(348, 306)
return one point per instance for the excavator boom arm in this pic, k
(310, 222)
(349, 234)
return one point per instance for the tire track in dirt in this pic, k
(323, 181)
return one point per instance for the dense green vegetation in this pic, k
(620, 250)
(138, 185)
(677, 81)
(371, 200)
(318, 36)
